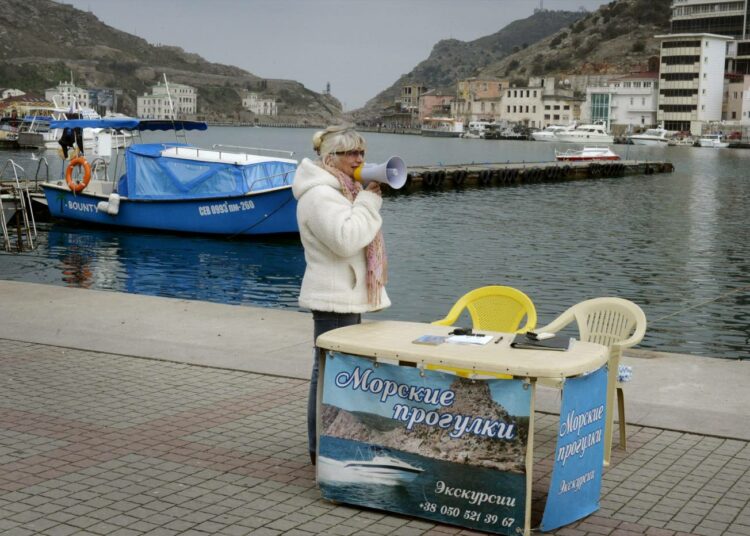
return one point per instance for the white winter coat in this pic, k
(334, 232)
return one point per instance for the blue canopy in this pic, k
(151, 175)
(130, 124)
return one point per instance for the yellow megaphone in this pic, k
(391, 172)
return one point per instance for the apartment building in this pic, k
(737, 100)
(479, 99)
(180, 102)
(691, 80)
(624, 103)
(68, 95)
(259, 105)
(435, 103)
(723, 17)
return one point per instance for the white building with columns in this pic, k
(259, 105)
(157, 105)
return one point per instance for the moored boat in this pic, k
(653, 136)
(442, 127)
(179, 187)
(548, 133)
(587, 154)
(592, 133)
(713, 140)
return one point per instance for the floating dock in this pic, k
(515, 173)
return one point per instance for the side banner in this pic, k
(577, 473)
(424, 443)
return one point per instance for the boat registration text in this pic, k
(225, 208)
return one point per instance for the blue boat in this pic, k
(180, 187)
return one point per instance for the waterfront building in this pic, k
(68, 95)
(691, 80)
(479, 99)
(724, 17)
(6, 92)
(408, 101)
(179, 103)
(435, 103)
(737, 100)
(624, 103)
(542, 103)
(258, 104)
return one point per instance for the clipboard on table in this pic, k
(556, 343)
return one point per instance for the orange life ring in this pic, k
(73, 185)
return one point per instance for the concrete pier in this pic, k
(129, 414)
(516, 173)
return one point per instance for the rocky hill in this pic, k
(42, 42)
(451, 59)
(617, 38)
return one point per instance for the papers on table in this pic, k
(469, 339)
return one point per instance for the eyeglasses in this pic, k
(351, 154)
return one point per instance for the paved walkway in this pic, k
(105, 444)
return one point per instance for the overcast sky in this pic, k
(360, 46)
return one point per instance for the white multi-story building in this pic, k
(737, 101)
(10, 92)
(540, 105)
(623, 103)
(181, 102)
(68, 95)
(259, 105)
(691, 80)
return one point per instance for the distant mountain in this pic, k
(452, 60)
(617, 38)
(42, 42)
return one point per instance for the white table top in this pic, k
(393, 340)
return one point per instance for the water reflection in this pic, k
(266, 273)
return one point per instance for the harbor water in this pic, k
(676, 243)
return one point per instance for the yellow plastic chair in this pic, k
(494, 308)
(618, 324)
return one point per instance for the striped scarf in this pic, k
(377, 261)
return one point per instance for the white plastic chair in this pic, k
(618, 324)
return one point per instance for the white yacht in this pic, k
(653, 136)
(548, 133)
(381, 469)
(593, 133)
(713, 140)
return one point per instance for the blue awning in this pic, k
(130, 124)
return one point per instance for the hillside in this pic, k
(617, 38)
(451, 59)
(42, 42)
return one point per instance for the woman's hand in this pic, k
(374, 187)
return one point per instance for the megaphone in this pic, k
(391, 172)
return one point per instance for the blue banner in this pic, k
(424, 443)
(579, 456)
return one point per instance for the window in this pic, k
(631, 101)
(534, 109)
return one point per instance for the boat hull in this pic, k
(441, 133)
(649, 141)
(583, 138)
(269, 212)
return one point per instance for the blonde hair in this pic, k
(337, 139)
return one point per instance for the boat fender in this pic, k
(73, 185)
(594, 170)
(459, 177)
(111, 207)
(440, 177)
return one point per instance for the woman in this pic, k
(340, 228)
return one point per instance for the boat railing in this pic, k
(42, 160)
(19, 196)
(97, 164)
(270, 180)
(218, 146)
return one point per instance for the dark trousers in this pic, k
(324, 321)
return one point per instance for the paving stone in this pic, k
(184, 450)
